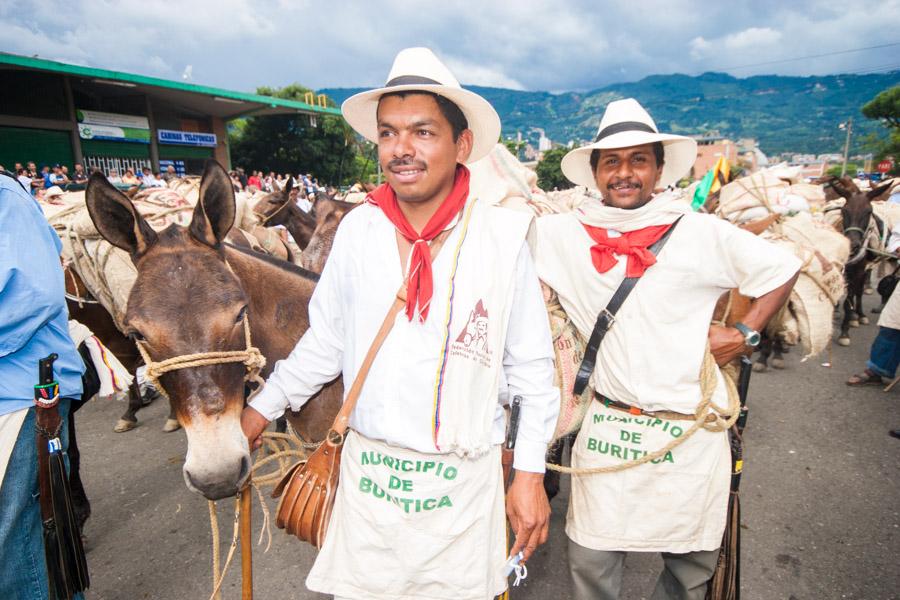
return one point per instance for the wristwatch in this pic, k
(751, 336)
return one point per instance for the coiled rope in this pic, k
(707, 415)
(280, 449)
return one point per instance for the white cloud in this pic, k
(700, 48)
(472, 74)
(530, 44)
(752, 38)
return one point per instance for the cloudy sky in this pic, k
(523, 44)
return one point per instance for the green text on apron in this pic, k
(409, 525)
(677, 503)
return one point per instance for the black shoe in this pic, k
(894, 433)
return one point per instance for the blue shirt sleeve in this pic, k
(31, 284)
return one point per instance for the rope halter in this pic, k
(251, 357)
(263, 218)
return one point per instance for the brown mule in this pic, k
(313, 231)
(192, 294)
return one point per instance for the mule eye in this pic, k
(135, 336)
(241, 315)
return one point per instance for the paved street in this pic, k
(820, 502)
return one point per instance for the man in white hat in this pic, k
(647, 375)
(419, 511)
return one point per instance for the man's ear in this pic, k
(464, 144)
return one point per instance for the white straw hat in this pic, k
(419, 69)
(624, 124)
(53, 191)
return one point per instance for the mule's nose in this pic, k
(215, 486)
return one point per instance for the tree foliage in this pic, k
(550, 176)
(324, 146)
(885, 106)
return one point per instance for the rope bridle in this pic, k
(263, 219)
(865, 235)
(251, 357)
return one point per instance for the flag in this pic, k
(711, 183)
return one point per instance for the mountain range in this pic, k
(784, 114)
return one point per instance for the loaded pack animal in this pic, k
(863, 228)
(313, 231)
(195, 294)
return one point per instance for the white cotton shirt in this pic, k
(652, 354)
(357, 287)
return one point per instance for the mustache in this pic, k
(619, 182)
(407, 161)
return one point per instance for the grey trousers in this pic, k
(597, 574)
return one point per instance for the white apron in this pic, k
(890, 314)
(408, 526)
(676, 504)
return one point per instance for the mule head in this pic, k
(857, 214)
(274, 208)
(186, 300)
(328, 214)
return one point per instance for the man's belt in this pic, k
(657, 414)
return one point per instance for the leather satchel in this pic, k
(307, 491)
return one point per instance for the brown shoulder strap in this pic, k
(342, 420)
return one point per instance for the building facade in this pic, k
(53, 112)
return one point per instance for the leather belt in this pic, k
(634, 410)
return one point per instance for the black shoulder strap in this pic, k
(607, 316)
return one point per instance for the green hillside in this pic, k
(799, 114)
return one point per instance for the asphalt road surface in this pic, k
(820, 502)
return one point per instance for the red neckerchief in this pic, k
(420, 285)
(631, 243)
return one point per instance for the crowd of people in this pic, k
(52, 180)
(308, 186)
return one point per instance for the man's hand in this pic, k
(529, 512)
(253, 425)
(726, 344)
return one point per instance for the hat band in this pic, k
(623, 126)
(411, 80)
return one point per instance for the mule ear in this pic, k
(116, 218)
(214, 213)
(879, 190)
(286, 193)
(840, 185)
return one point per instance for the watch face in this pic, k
(753, 339)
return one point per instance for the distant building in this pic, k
(811, 165)
(710, 146)
(803, 159)
(544, 143)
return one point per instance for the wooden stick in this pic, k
(246, 546)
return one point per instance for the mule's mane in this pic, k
(277, 262)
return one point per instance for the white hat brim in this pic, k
(360, 111)
(680, 155)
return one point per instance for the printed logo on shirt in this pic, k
(472, 342)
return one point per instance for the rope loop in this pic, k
(250, 356)
(708, 415)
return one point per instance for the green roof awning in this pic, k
(225, 104)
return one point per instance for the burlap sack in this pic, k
(820, 286)
(107, 271)
(568, 348)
